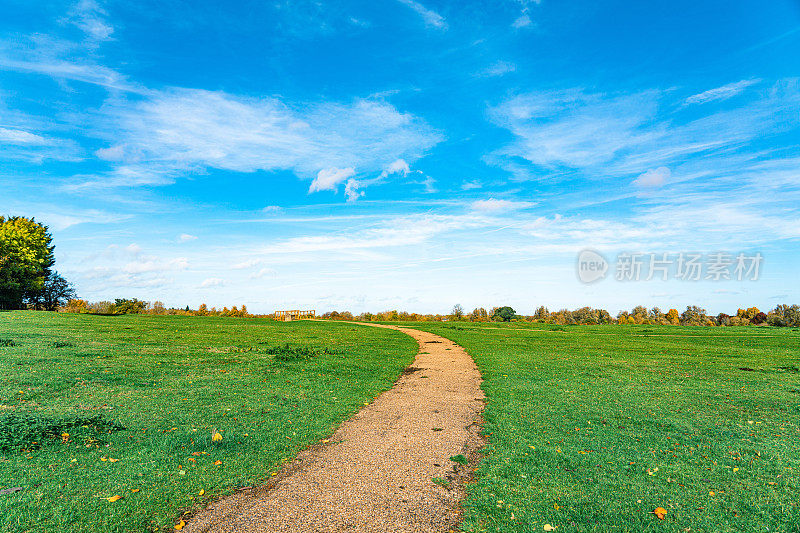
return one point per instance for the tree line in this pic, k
(781, 316)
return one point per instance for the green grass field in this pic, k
(168, 381)
(591, 428)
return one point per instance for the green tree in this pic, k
(26, 256)
(504, 313)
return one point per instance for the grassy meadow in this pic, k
(93, 407)
(592, 428)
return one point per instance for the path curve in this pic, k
(376, 472)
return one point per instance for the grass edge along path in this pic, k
(592, 428)
(170, 381)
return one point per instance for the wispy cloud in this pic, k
(628, 134)
(495, 205)
(524, 20)
(499, 68)
(431, 18)
(178, 130)
(720, 93)
(653, 178)
(90, 17)
(61, 59)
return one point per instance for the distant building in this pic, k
(287, 316)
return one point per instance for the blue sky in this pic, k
(403, 154)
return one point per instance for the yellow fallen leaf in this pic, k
(65, 434)
(104, 458)
(110, 460)
(660, 512)
(217, 437)
(134, 490)
(556, 507)
(548, 527)
(736, 469)
(112, 499)
(217, 463)
(179, 525)
(711, 493)
(202, 491)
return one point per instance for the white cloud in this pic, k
(653, 178)
(250, 263)
(494, 205)
(62, 60)
(328, 179)
(272, 209)
(59, 220)
(155, 264)
(617, 135)
(212, 282)
(431, 18)
(721, 93)
(181, 130)
(89, 17)
(185, 237)
(399, 231)
(469, 185)
(14, 136)
(351, 191)
(398, 166)
(573, 128)
(499, 68)
(112, 153)
(523, 21)
(264, 272)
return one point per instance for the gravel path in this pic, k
(376, 471)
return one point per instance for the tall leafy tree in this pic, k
(504, 313)
(26, 257)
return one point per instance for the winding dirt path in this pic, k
(376, 472)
